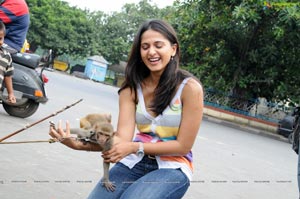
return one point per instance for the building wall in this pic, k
(95, 70)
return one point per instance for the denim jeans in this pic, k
(145, 181)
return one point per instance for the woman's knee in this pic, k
(162, 183)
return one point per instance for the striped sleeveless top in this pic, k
(161, 128)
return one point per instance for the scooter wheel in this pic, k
(22, 111)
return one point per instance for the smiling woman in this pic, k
(113, 5)
(165, 104)
(156, 51)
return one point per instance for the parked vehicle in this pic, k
(28, 84)
(78, 68)
(60, 65)
(286, 125)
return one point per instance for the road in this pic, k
(229, 163)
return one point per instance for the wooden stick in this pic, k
(39, 121)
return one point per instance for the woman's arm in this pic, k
(124, 134)
(126, 120)
(125, 129)
(65, 138)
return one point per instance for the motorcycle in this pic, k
(28, 85)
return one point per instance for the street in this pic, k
(229, 163)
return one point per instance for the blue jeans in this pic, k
(145, 181)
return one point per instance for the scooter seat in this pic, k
(26, 59)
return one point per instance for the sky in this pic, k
(111, 5)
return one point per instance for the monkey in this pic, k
(86, 125)
(82, 133)
(97, 128)
(89, 120)
(104, 135)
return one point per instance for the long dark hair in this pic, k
(136, 70)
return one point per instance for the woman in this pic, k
(165, 103)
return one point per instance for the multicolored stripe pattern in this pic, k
(164, 127)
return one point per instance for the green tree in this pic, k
(57, 26)
(120, 27)
(247, 48)
(69, 30)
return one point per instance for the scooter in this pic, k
(28, 85)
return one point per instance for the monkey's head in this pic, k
(104, 132)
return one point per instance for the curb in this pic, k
(246, 128)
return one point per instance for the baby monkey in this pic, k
(89, 120)
(104, 134)
(86, 130)
(97, 128)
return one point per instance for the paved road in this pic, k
(229, 163)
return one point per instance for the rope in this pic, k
(32, 141)
(51, 140)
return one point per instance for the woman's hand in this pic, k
(64, 137)
(119, 150)
(59, 134)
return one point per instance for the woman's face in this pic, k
(156, 50)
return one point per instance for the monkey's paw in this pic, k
(109, 186)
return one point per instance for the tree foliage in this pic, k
(119, 29)
(57, 26)
(248, 48)
(69, 30)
